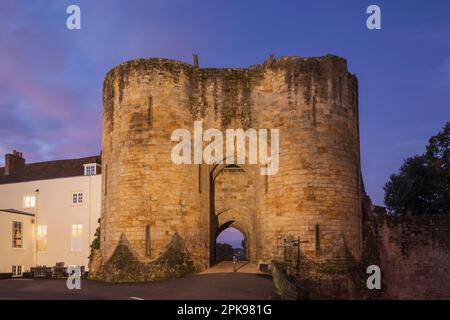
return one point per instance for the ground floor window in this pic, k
(17, 234)
(76, 243)
(17, 271)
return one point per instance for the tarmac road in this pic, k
(215, 284)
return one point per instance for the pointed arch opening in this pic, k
(230, 241)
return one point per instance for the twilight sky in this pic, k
(231, 236)
(51, 78)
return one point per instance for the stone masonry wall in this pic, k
(413, 253)
(415, 257)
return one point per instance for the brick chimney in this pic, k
(13, 162)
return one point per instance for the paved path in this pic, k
(227, 266)
(214, 284)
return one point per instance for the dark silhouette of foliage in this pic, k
(224, 251)
(422, 185)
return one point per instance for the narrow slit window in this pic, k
(199, 178)
(317, 239)
(266, 177)
(147, 241)
(150, 112)
(106, 179)
(313, 120)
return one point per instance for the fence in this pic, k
(292, 256)
(57, 272)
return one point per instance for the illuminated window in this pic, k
(76, 242)
(77, 198)
(29, 201)
(17, 234)
(42, 238)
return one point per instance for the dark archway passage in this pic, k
(233, 210)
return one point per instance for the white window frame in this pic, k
(90, 169)
(76, 237)
(13, 244)
(77, 198)
(29, 201)
(42, 238)
(15, 269)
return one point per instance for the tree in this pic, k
(422, 185)
(224, 251)
(438, 154)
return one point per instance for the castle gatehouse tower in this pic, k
(161, 219)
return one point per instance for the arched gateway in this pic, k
(160, 219)
(234, 192)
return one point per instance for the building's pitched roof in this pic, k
(17, 212)
(49, 170)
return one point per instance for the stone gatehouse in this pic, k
(161, 220)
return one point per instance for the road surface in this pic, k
(219, 282)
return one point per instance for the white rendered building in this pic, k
(49, 212)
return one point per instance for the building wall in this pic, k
(54, 208)
(10, 256)
(313, 101)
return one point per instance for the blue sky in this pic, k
(51, 78)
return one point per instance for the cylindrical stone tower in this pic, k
(316, 194)
(150, 207)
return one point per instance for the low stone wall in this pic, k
(415, 257)
(285, 287)
(413, 253)
(336, 275)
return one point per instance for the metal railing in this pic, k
(292, 256)
(57, 272)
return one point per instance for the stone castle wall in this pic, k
(312, 101)
(413, 253)
(415, 257)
